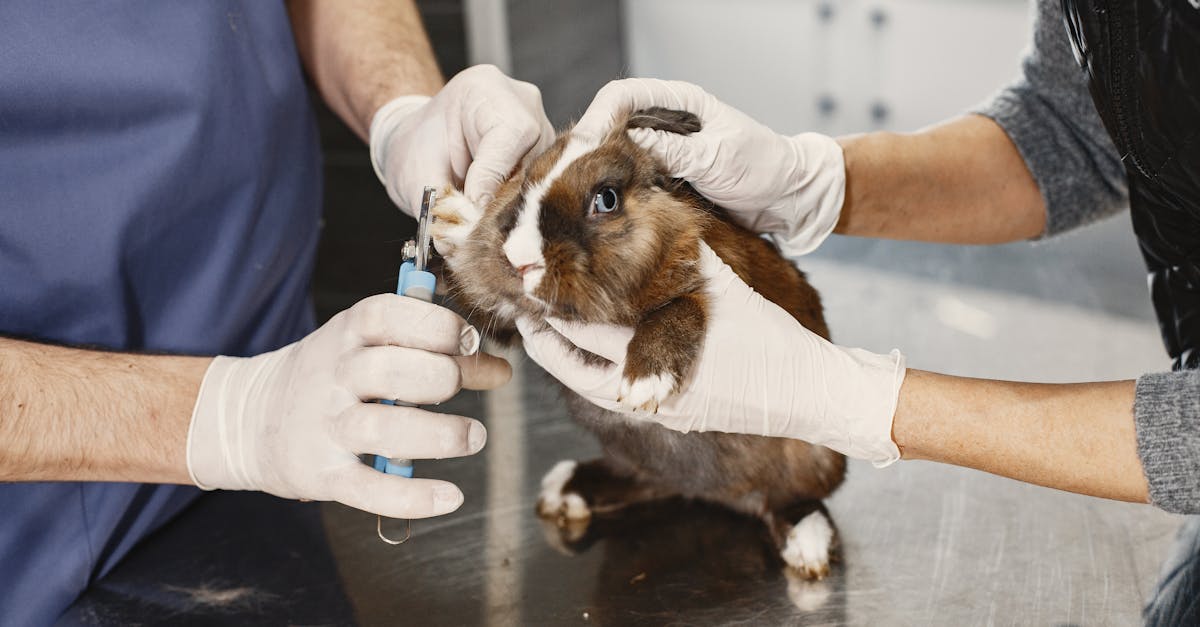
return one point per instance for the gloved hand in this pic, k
(789, 187)
(760, 373)
(291, 422)
(469, 136)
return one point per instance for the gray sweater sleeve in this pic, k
(1167, 409)
(1048, 114)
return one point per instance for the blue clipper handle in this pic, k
(417, 284)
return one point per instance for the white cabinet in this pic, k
(835, 66)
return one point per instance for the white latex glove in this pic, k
(291, 422)
(469, 136)
(760, 373)
(789, 187)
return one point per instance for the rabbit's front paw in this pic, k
(646, 393)
(555, 502)
(662, 353)
(454, 217)
(808, 546)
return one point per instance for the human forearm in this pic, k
(363, 53)
(1074, 437)
(959, 182)
(83, 415)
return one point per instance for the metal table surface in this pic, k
(921, 543)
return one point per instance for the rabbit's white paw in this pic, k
(646, 393)
(454, 217)
(808, 546)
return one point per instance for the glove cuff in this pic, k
(888, 371)
(865, 389)
(203, 449)
(817, 194)
(384, 123)
(220, 445)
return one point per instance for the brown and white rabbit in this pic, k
(593, 230)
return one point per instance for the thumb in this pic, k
(630, 94)
(500, 145)
(552, 352)
(711, 263)
(604, 340)
(546, 140)
(723, 285)
(495, 157)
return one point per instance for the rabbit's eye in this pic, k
(606, 200)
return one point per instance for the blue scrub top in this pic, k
(160, 190)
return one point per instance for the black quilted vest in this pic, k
(1142, 58)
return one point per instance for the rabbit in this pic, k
(593, 230)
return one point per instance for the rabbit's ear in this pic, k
(661, 119)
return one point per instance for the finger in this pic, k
(719, 277)
(532, 97)
(493, 160)
(400, 373)
(482, 371)
(710, 262)
(620, 97)
(683, 156)
(388, 319)
(605, 340)
(551, 351)
(500, 142)
(599, 385)
(546, 140)
(365, 488)
(529, 95)
(407, 432)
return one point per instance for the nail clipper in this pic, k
(414, 282)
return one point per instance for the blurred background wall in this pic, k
(833, 66)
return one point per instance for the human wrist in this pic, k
(937, 413)
(180, 377)
(868, 186)
(913, 428)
